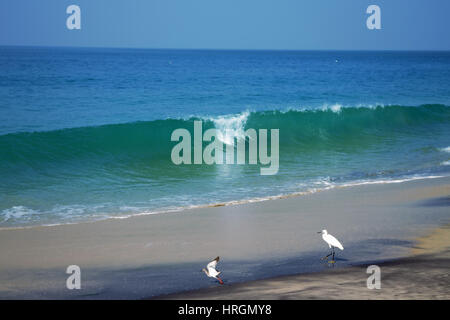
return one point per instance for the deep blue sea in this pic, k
(85, 133)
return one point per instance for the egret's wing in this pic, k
(213, 263)
(334, 242)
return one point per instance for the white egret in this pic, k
(332, 243)
(211, 271)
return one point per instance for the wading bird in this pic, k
(332, 243)
(211, 271)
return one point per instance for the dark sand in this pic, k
(423, 275)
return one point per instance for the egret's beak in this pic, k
(319, 231)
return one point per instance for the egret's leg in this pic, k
(327, 256)
(332, 259)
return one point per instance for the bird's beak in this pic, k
(319, 231)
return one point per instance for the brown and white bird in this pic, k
(211, 271)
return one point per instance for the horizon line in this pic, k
(216, 49)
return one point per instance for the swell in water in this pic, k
(120, 170)
(307, 130)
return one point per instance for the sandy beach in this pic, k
(275, 240)
(422, 275)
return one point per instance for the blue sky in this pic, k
(229, 24)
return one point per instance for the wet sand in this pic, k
(423, 275)
(160, 254)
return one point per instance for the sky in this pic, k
(229, 24)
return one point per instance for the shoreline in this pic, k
(423, 274)
(232, 202)
(154, 255)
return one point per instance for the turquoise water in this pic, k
(85, 133)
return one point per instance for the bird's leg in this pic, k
(220, 280)
(327, 256)
(332, 259)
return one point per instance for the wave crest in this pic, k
(338, 128)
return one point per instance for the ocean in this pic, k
(85, 132)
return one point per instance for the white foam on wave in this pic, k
(20, 214)
(447, 149)
(446, 163)
(230, 127)
(333, 107)
(232, 119)
(336, 108)
(17, 212)
(387, 181)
